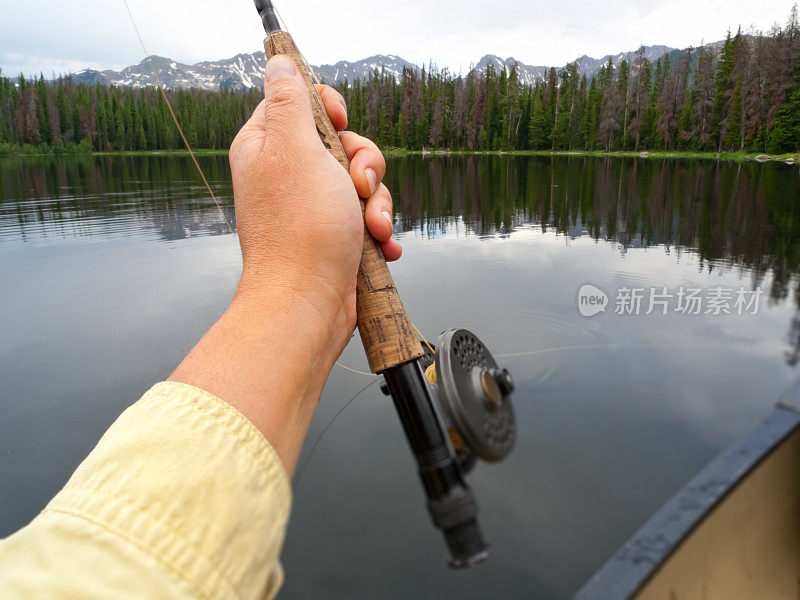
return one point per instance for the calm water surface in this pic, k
(111, 268)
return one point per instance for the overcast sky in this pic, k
(62, 36)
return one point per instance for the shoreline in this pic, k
(789, 158)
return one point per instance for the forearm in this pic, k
(184, 497)
(268, 356)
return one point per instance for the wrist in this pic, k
(312, 318)
(268, 356)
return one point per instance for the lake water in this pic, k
(112, 268)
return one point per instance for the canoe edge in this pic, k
(630, 568)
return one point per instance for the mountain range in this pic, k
(247, 70)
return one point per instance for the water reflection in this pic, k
(743, 216)
(731, 215)
(113, 267)
(68, 197)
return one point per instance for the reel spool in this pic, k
(475, 397)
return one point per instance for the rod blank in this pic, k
(268, 16)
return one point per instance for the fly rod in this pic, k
(473, 391)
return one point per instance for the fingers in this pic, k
(288, 119)
(334, 105)
(367, 168)
(392, 250)
(378, 214)
(287, 112)
(367, 165)
(378, 217)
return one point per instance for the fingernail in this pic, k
(388, 216)
(372, 180)
(279, 66)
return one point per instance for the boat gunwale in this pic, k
(632, 566)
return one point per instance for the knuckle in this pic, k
(367, 144)
(386, 196)
(375, 153)
(330, 94)
(371, 152)
(284, 109)
(235, 153)
(340, 98)
(286, 92)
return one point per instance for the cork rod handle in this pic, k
(386, 332)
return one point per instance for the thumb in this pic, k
(289, 120)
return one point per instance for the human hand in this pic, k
(297, 210)
(301, 232)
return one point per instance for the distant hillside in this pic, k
(741, 95)
(240, 72)
(247, 70)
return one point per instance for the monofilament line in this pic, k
(311, 452)
(174, 117)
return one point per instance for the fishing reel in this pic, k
(473, 417)
(454, 403)
(475, 397)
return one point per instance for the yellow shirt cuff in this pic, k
(189, 481)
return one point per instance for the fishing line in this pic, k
(302, 467)
(431, 377)
(588, 347)
(311, 452)
(192, 154)
(422, 337)
(346, 368)
(186, 141)
(174, 117)
(286, 28)
(427, 343)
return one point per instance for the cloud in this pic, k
(454, 33)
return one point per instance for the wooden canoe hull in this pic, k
(732, 533)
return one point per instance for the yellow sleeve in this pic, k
(181, 498)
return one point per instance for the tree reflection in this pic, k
(743, 216)
(106, 196)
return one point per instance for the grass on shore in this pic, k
(729, 156)
(655, 154)
(163, 153)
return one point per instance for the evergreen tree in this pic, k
(747, 96)
(724, 86)
(786, 133)
(537, 138)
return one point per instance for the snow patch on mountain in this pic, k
(247, 70)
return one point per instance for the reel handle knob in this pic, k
(504, 381)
